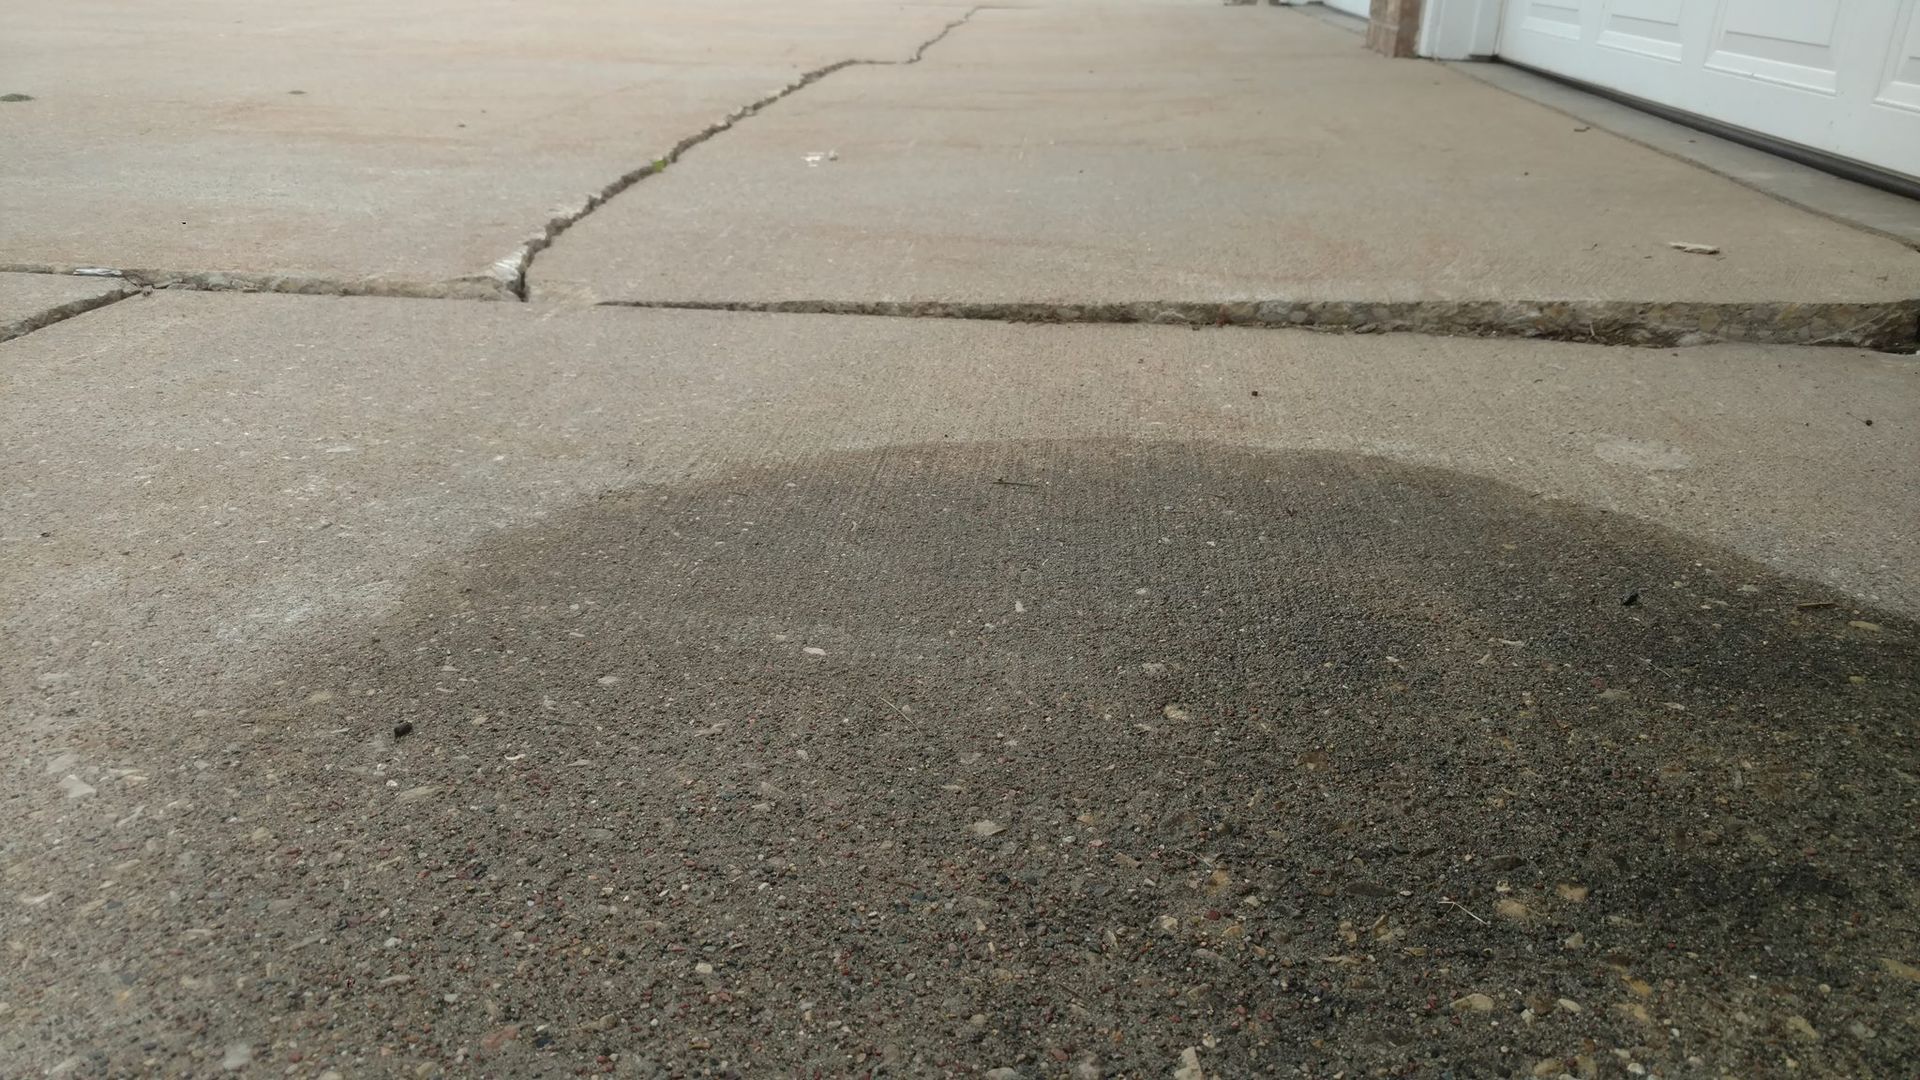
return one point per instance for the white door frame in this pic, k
(1459, 29)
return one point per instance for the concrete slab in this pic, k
(404, 145)
(512, 678)
(1207, 156)
(30, 301)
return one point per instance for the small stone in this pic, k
(75, 787)
(1569, 1005)
(1798, 1025)
(814, 650)
(1861, 1031)
(1635, 1011)
(1189, 1065)
(415, 794)
(1572, 892)
(703, 968)
(1869, 627)
(1501, 864)
(1473, 1003)
(985, 828)
(1900, 969)
(1175, 711)
(1086, 1070)
(1509, 908)
(1003, 1073)
(238, 1056)
(403, 729)
(1548, 1067)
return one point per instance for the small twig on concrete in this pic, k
(1462, 907)
(1004, 482)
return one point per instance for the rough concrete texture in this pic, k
(514, 691)
(31, 301)
(367, 145)
(1205, 155)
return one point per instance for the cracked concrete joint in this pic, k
(1891, 327)
(47, 316)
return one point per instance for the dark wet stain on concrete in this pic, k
(930, 761)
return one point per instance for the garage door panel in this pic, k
(1559, 18)
(1900, 86)
(1648, 27)
(1840, 76)
(1793, 44)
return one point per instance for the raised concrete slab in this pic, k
(379, 145)
(30, 301)
(1218, 155)
(466, 687)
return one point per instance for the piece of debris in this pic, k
(1693, 249)
(403, 729)
(815, 158)
(1630, 599)
(1815, 605)
(985, 828)
(1189, 1065)
(1473, 1003)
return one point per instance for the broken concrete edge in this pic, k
(468, 288)
(45, 317)
(1888, 327)
(511, 270)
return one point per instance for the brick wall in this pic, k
(1394, 27)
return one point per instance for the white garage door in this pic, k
(1840, 76)
(1351, 7)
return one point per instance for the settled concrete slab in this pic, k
(31, 301)
(515, 678)
(1219, 155)
(305, 455)
(365, 143)
(1803, 185)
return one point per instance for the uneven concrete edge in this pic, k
(512, 270)
(481, 288)
(1893, 326)
(61, 312)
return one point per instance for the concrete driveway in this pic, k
(441, 683)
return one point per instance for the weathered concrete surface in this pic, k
(365, 142)
(1196, 155)
(963, 695)
(30, 301)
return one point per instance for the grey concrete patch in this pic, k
(394, 147)
(31, 301)
(1205, 156)
(976, 754)
(1801, 185)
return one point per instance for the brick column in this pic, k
(1394, 27)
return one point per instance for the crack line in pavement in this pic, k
(512, 270)
(506, 279)
(46, 317)
(1893, 326)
